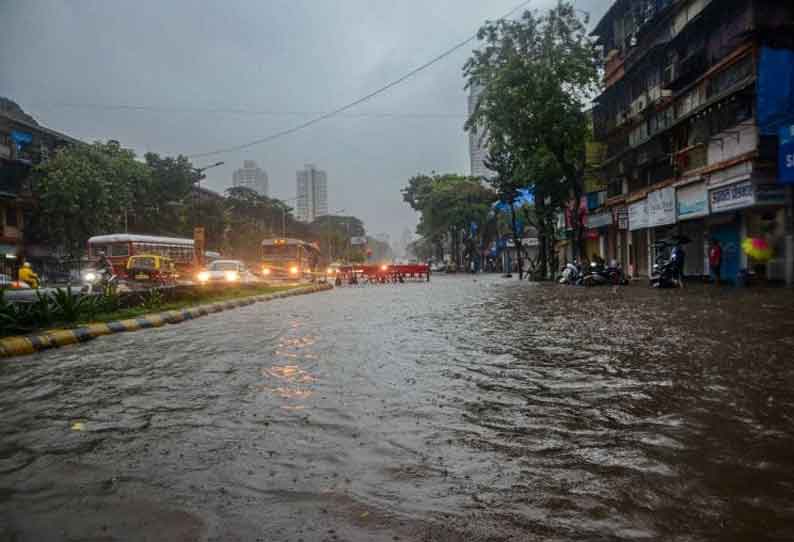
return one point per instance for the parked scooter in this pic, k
(664, 274)
(665, 270)
(596, 275)
(601, 275)
(616, 274)
(571, 274)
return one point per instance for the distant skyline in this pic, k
(216, 74)
(252, 176)
(311, 193)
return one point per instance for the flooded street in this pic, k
(461, 409)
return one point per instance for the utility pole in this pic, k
(198, 231)
(284, 216)
(199, 177)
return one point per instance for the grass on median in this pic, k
(201, 297)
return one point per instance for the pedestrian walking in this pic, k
(715, 260)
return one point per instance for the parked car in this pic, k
(229, 272)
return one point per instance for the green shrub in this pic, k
(153, 300)
(69, 307)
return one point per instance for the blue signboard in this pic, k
(786, 155)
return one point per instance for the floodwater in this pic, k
(463, 409)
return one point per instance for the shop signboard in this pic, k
(786, 154)
(599, 220)
(735, 196)
(638, 215)
(692, 201)
(661, 207)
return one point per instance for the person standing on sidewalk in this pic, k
(715, 260)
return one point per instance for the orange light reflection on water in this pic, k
(291, 382)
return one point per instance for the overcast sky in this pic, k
(281, 56)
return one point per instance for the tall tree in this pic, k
(82, 191)
(163, 203)
(451, 207)
(536, 75)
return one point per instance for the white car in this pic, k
(7, 282)
(226, 272)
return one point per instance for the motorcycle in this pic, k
(596, 276)
(571, 274)
(99, 281)
(600, 275)
(665, 271)
(664, 274)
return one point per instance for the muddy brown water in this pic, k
(461, 409)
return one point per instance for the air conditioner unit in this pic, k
(666, 93)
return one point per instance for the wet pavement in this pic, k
(461, 409)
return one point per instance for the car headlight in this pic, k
(293, 270)
(265, 271)
(90, 277)
(384, 267)
(330, 270)
(231, 276)
(203, 276)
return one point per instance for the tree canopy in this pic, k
(535, 76)
(87, 190)
(450, 206)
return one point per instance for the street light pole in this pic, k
(200, 173)
(284, 216)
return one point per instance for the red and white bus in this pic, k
(120, 246)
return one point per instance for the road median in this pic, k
(45, 340)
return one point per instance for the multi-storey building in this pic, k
(696, 96)
(251, 176)
(478, 144)
(23, 144)
(312, 194)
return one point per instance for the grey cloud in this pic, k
(279, 55)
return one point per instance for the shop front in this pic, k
(619, 235)
(730, 193)
(731, 207)
(597, 234)
(692, 207)
(639, 247)
(661, 216)
(767, 220)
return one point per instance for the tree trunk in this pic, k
(540, 206)
(517, 242)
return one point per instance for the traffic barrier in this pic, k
(21, 346)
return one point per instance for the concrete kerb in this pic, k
(30, 344)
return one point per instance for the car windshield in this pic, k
(279, 252)
(224, 266)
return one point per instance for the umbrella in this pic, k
(758, 249)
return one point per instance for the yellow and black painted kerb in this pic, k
(30, 344)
